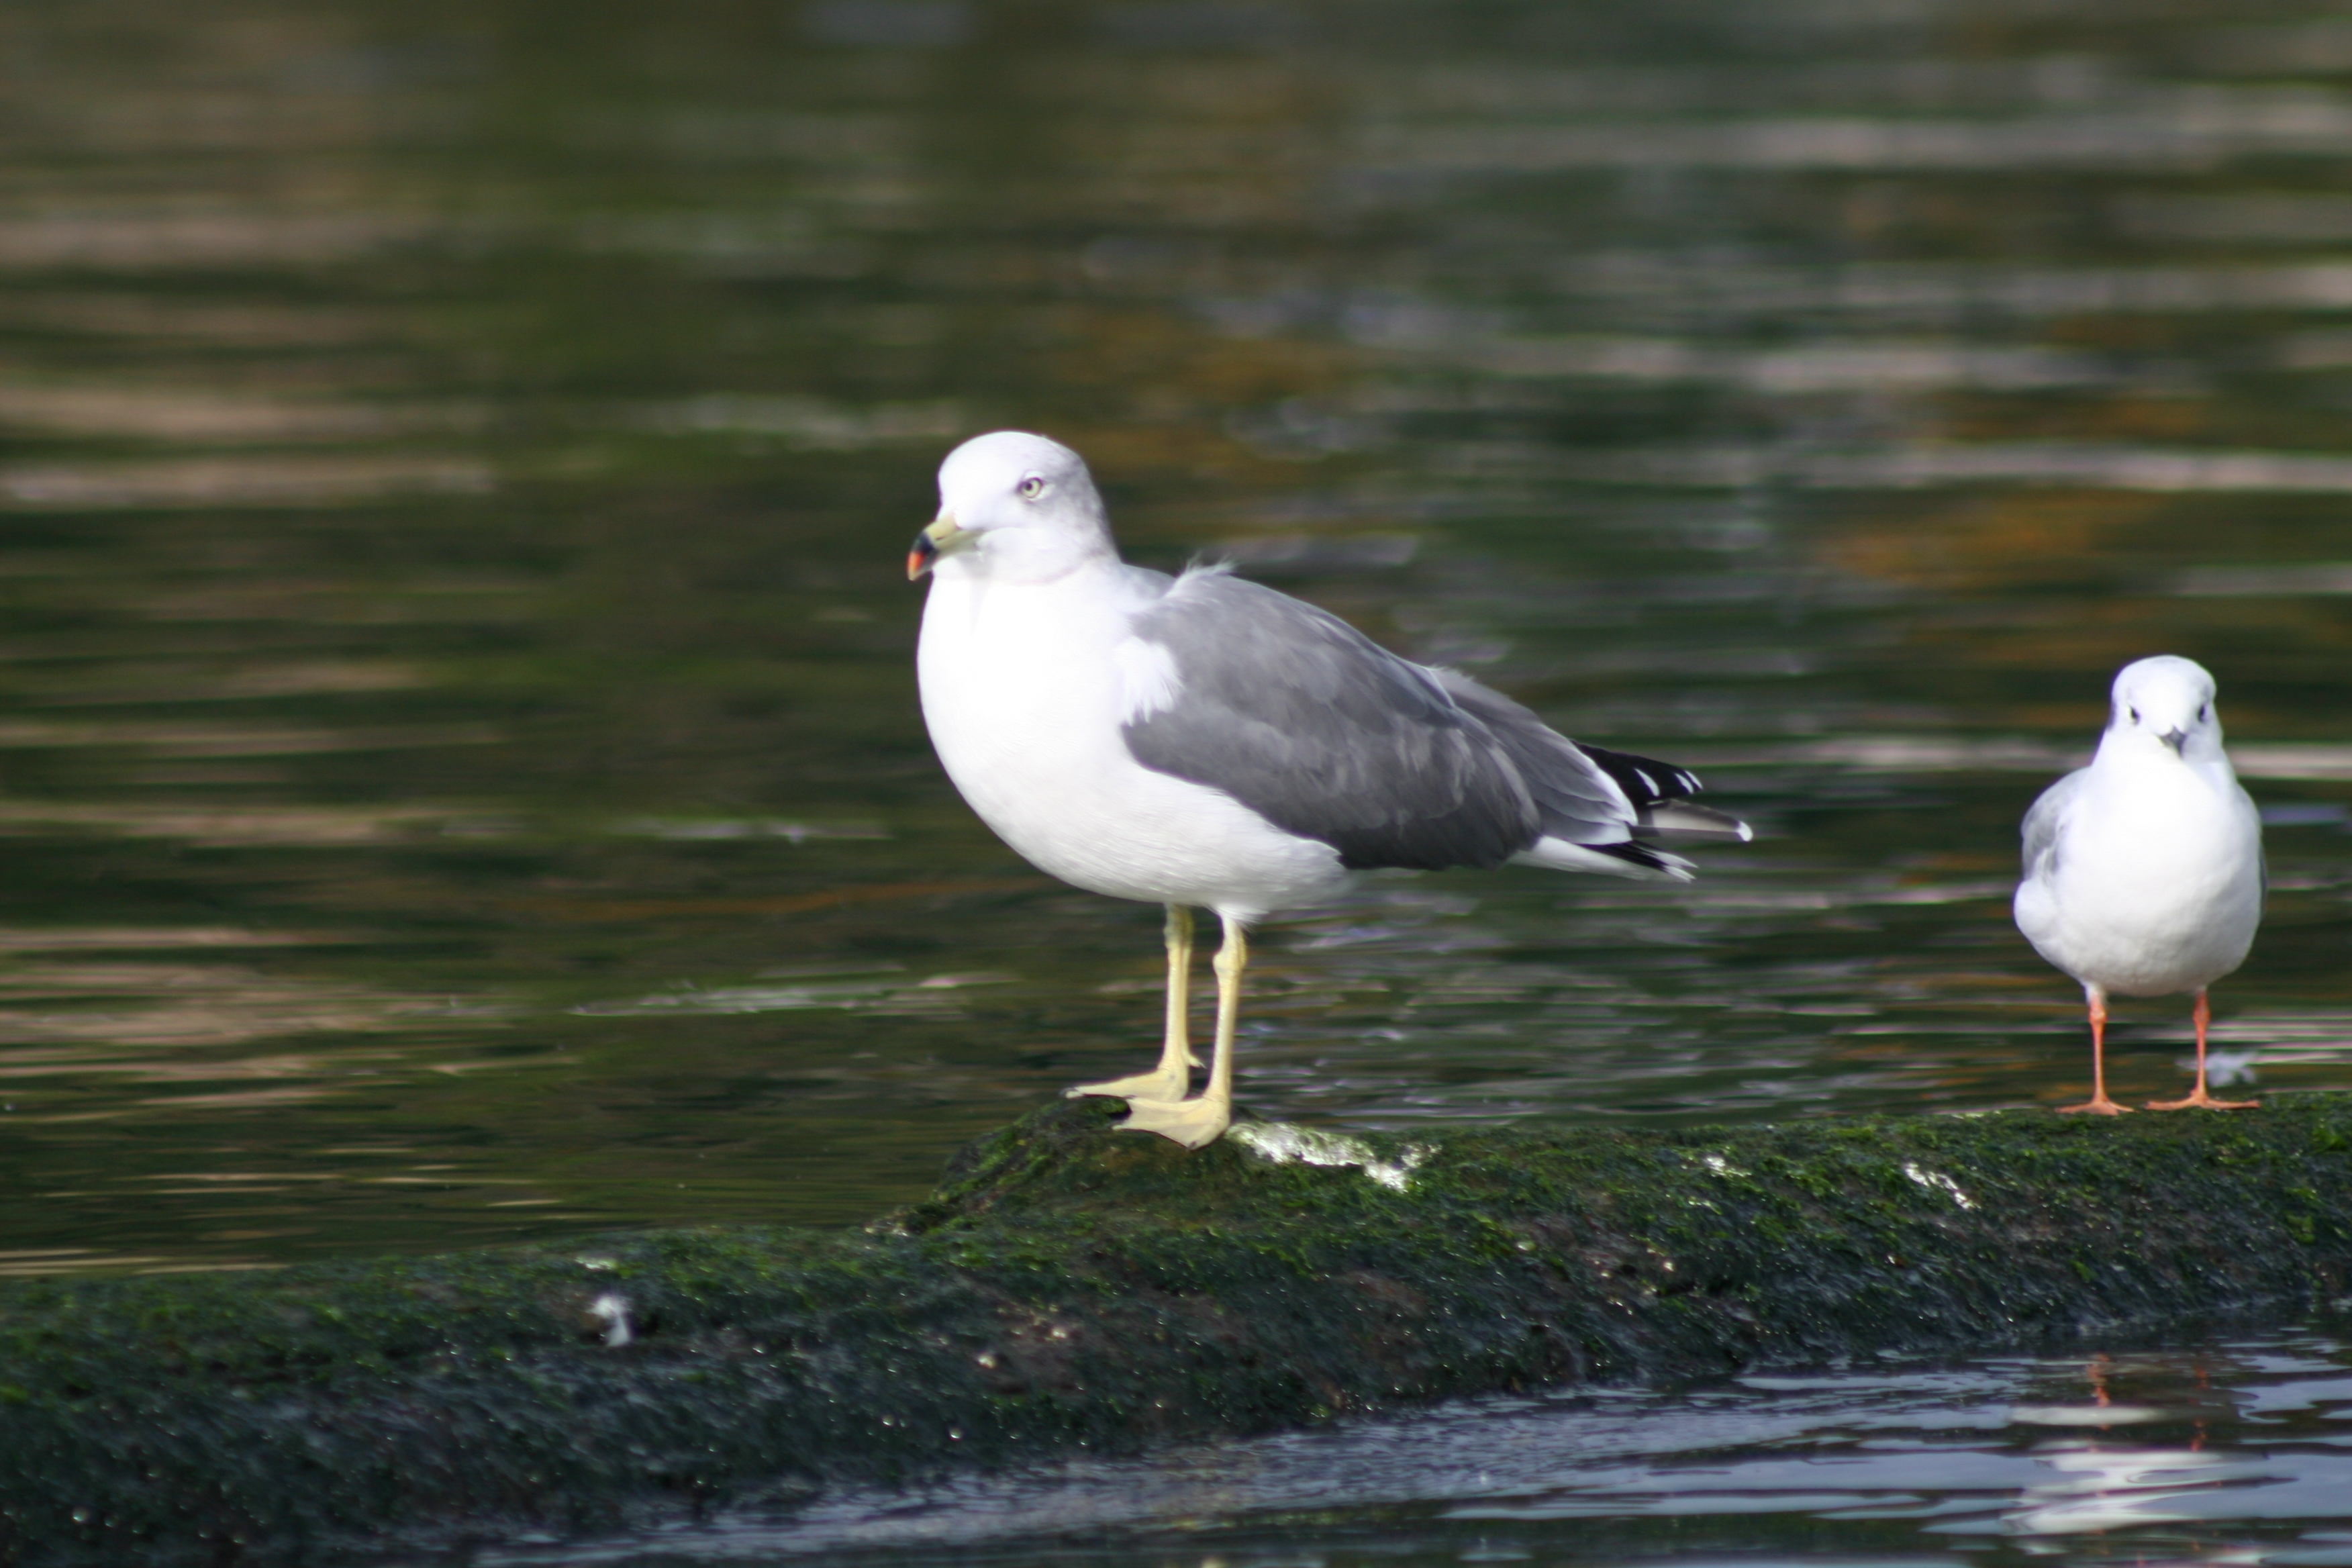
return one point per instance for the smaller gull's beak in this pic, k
(942, 534)
(2174, 738)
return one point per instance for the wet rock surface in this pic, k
(1069, 1288)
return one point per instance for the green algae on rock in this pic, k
(1069, 1287)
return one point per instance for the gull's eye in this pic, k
(2205, 712)
(2134, 715)
(1031, 487)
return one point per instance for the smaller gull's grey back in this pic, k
(2039, 832)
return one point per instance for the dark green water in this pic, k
(459, 770)
(2230, 1453)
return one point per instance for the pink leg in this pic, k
(2201, 1099)
(2098, 1104)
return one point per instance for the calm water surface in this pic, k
(459, 771)
(2231, 1452)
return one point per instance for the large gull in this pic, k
(2144, 871)
(1203, 741)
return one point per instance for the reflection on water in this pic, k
(2233, 1451)
(458, 755)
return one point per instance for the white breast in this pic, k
(2156, 885)
(1025, 689)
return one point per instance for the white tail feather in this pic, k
(1559, 855)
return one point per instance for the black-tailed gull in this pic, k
(1202, 741)
(2144, 871)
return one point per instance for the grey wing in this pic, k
(1325, 733)
(2261, 850)
(1577, 801)
(2040, 829)
(1587, 794)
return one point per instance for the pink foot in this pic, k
(2201, 1100)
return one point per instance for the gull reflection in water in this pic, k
(2093, 1488)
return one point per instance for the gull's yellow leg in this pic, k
(1197, 1123)
(1170, 1080)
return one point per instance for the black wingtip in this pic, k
(1646, 779)
(1661, 795)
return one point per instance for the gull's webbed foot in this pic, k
(2200, 1101)
(1166, 1082)
(2099, 1105)
(1172, 1079)
(1194, 1123)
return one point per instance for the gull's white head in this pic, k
(1014, 507)
(2165, 702)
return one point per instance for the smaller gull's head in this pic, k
(2165, 702)
(1014, 507)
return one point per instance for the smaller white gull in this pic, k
(1202, 741)
(2144, 871)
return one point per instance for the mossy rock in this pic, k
(1071, 1287)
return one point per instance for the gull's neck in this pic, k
(1023, 558)
(2141, 754)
